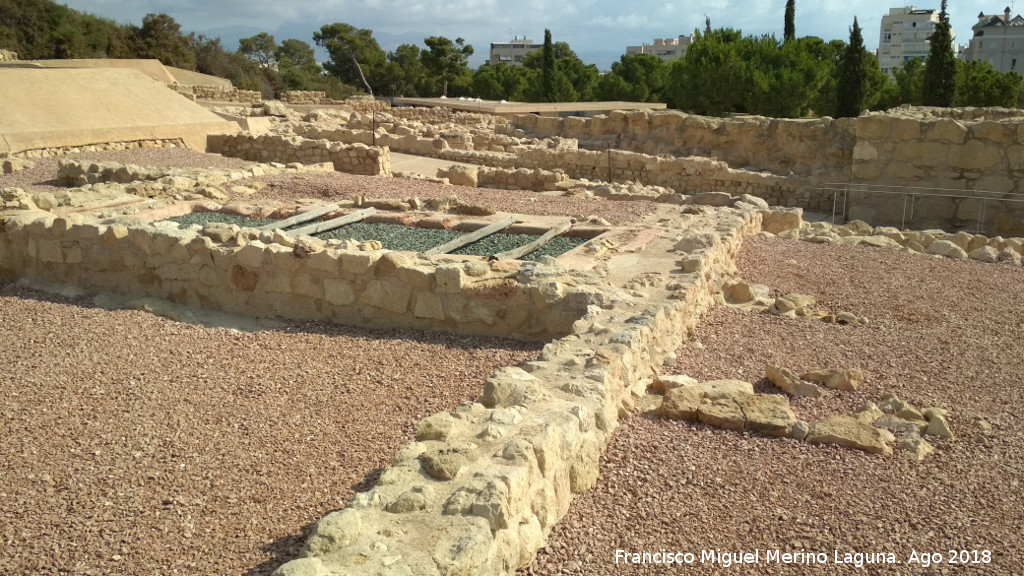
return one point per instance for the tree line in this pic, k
(723, 71)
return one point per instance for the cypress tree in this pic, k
(940, 67)
(790, 30)
(547, 69)
(852, 81)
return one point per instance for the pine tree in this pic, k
(547, 69)
(852, 78)
(940, 67)
(790, 30)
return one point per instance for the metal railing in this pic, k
(913, 195)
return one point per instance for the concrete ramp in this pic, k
(49, 108)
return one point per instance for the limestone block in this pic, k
(946, 249)
(281, 257)
(985, 254)
(327, 261)
(333, 533)
(779, 220)
(723, 413)
(358, 262)
(306, 285)
(873, 127)
(387, 296)
(440, 426)
(851, 432)
(768, 413)
(419, 277)
(947, 130)
(787, 381)
(974, 155)
(681, 403)
(251, 255)
(428, 305)
(996, 132)
(836, 378)
(338, 292)
(510, 386)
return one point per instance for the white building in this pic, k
(664, 48)
(999, 40)
(904, 35)
(513, 51)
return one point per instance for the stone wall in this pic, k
(305, 97)
(7, 55)
(218, 94)
(264, 274)
(64, 150)
(481, 487)
(351, 158)
(780, 146)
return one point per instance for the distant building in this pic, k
(513, 51)
(904, 35)
(999, 40)
(664, 48)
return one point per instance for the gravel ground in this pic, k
(341, 186)
(942, 333)
(130, 444)
(43, 176)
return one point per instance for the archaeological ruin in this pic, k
(612, 289)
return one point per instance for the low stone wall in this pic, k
(482, 486)
(7, 55)
(270, 274)
(972, 113)
(306, 97)
(65, 150)
(780, 146)
(218, 94)
(351, 158)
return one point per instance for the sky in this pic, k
(597, 30)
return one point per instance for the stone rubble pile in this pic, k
(958, 246)
(733, 405)
(156, 182)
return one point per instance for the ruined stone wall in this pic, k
(306, 97)
(262, 274)
(218, 94)
(351, 158)
(482, 485)
(780, 146)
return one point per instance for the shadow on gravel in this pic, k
(282, 550)
(11, 289)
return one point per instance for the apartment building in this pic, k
(664, 48)
(904, 35)
(999, 40)
(513, 51)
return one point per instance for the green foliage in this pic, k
(448, 62)
(851, 82)
(939, 87)
(910, 82)
(978, 84)
(404, 73)
(789, 32)
(547, 70)
(713, 77)
(634, 78)
(260, 48)
(356, 58)
(571, 81)
(42, 29)
(160, 37)
(503, 82)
